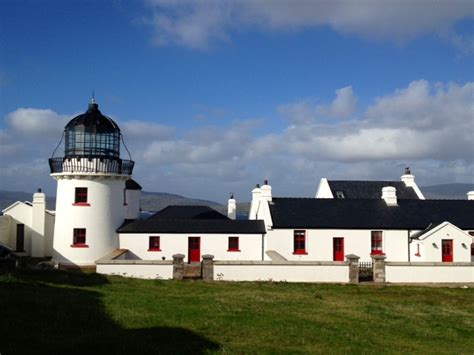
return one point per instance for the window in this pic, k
(80, 196)
(299, 242)
(472, 245)
(20, 237)
(79, 238)
(154, 244)
(376, 242)
(233, 244)
(340, 194)
(417, 250)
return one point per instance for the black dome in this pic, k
(93, 121)
(92, 135)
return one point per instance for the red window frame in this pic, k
(299, 242)
(80, 196)
(79, 238)
(233, 244)
(154, 243)
(376, 243)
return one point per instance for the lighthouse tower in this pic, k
(91, 199)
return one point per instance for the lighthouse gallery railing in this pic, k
(91, 165)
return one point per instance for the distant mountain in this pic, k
(447, 191)
(9, 197)
(155, 201)
(150, 201)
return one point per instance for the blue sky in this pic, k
(213, 97)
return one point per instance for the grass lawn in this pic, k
(64, 313)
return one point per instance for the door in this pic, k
(194, 249)
(447, 250)
(338, 249)
(20, 237)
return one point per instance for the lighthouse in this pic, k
(92, 181)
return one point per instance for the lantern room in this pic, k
(92, 135)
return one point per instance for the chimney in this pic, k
(409, 181)
(254, 205)
(38, 224)
(470, 195)
(389, 195)
(231, 207)
(408, 178)
(266, 191)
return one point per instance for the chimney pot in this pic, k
(470, 195)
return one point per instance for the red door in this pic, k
(194, 249)
(447, 250)
(338, 249)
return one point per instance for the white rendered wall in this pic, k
(142, 271)
(21, 214)
(133, 203)
(319, 244)
(38, 225)
(432, 244)
(429, 272)
(101, 219)
(246, 271)
(5, 227)
(215, 244)
(323, 190)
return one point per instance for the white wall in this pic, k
(266, 271)
(139, 270)
(5, 226)
(429, 272)
(215, 244)
(319, 244)
(432, 244)
(101, 219)
(133, 204)
(20, 213)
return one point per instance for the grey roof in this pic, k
(192, 220)
(370, 189)
(188, 212)
(369, 213)
(131, 184)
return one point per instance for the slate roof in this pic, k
(370, 189)
(189, 212)
(131, 184)
(369, 213)
(192, 220)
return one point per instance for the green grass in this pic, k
(64, 313)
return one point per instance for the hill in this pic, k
(455, 191)
(155, 201)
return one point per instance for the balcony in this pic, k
(91, 165)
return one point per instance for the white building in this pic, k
(98, 213)
(364, 218)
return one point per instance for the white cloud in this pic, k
(198, 23)
(428, 126)
(306, 111)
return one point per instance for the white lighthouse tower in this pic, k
(91, 199)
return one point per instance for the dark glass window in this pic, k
(376, 242)
(233, 244)
(79, 237)
(299, 242)
(154, 243)
(81, 195)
